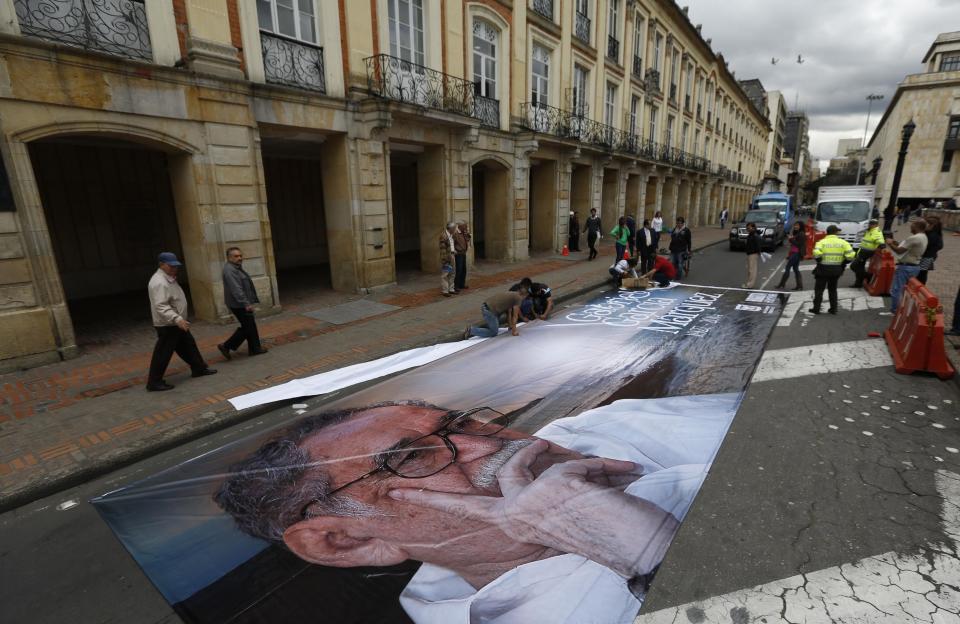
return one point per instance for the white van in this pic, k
(847, 207)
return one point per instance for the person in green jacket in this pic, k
(621, 235)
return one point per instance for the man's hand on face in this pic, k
(565, 509)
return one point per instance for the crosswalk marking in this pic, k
(849, 299)
(822, 358)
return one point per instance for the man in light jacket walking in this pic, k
(168, 307)
(239, 295)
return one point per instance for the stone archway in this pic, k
(491, 197)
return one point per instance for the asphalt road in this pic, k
(797, 487)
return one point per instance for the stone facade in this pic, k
(932, 101)
(321, 148)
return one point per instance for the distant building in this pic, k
(796, 145)
(845, 146)
(931, 168)
(814, 173)
(777, 117)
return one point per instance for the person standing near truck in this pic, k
(872, 241)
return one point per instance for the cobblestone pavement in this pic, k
(62, 421)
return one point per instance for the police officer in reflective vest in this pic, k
(872, 241)
(832, 254)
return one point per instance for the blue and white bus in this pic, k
(781, 202)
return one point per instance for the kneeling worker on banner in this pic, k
(662, 271)
(832, 254)
(501, 303)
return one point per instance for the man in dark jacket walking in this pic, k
(681, 244)
(239, 295)
(592, 228)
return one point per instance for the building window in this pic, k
(954, 130)
(683, 136)
(485, 39)
(657, 48)
(638, 46)
(950, 63)
(688, 89)
(696, 142)
(613, 30)
(610, 104)
(634, 113)
(540, 87)
(579, 102)
(292, 18)
(947, 161)
(406, 29)
(654, 111)
(581, 20)
(668, 139)
(674, 70)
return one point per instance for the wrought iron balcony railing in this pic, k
(292, 63)
(396, 79)
(544, 8)
(613, 49)
(569, 125)
(637, 67)
(113, 26)
(581, 27)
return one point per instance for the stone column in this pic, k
(521, 205)
(684, 208)
(697, 196)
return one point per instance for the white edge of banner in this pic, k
(330, 381)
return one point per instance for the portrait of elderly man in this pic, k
(567, 525)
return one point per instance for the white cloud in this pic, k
(850, 49)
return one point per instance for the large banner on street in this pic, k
(537, 478)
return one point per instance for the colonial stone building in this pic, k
(331, 141)
(932, 101)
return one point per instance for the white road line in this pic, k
(851, 299)
(823, 358)
(892, 588)
(776, 272)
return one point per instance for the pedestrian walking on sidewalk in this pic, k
(724, 216)
(657, 226)
(752, 249)
(645, 246)
(447, 261)
(573, 232)
(832, 254)
(798, 245)
(620, 235)
(908, 254)
(239, 295)
(681, 245)
(872, 241)
(168, 308)
(501, 303)
(461, 243)
(592, 228)
(934, 245)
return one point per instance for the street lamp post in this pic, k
(908, 129)
(870, 100)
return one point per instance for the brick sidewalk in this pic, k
(69, 420)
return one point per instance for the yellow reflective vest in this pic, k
(872, 239)
(833, 250)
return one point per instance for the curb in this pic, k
(206, 424)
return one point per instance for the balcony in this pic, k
(292, 63)
(113, 26)
(396, 79)
(544, 8)
(581, 27)
(613, 49)
(569, 125)
(637, 68)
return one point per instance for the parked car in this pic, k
(769, 227)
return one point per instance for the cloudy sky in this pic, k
(851, 48)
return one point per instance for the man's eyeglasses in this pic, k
(429, 454)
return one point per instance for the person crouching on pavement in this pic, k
(501, 303)
(662, 271)
(623, 268)
(539, 300)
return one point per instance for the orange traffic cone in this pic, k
(565, 252)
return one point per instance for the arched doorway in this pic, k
(491, 200)
(110, 208)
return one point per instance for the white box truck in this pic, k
(847, 207)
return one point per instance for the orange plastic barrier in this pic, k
(812, 237)
(881, 267)
(915, 335)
